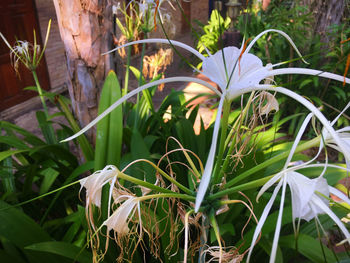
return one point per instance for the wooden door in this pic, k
(17, 21)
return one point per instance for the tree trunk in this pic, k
(326, 13)
(85, 28)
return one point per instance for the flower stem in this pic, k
(166, 195)
(216, 229)
(140, 83)
(241, 187)
(168, 177)
(127, 71)
(235, 129)
(38, 88)
(143, 183)
(224, 124)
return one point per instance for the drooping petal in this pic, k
(344, 149)
(339, 194)
(311, 72)
(302, 190)
(162, 41)
(318, 202)
(94, 183)
(120, 218)
(263, 218)
(279, 32)
(136, 91)
(278, 224)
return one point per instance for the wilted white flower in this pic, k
(271, 103)
(121, 217)
(94, 183)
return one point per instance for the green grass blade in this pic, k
(85, 146)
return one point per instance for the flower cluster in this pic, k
(237, 72)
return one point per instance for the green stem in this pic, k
(38, 87)
(143, 183)
(216, 229)
(224, 124)
(140, 83)
(241, 187)
(235, 129)
(47, 128)
(127, 70)
(168, 177)
(165, 195)
(312, 143)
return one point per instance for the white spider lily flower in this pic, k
(95, 182)
(236, 72)
(121, 217)
(233, 71)
(239, 72)
(308, 196)
(309, 199)
(305, 203)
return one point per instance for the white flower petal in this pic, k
(263, 218)
(205, 180)
(318, 202)
(302, 190)
(94, 183)
(232, 72)
(119, 220)
(136, 91)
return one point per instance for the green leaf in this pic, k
(18, 228)
(309, 247)
(8, 153)
(46, 127)
(9, 258)
(50, 176)
(82, 140)
(109, 132)
(78, 171)
(63, 249)
(28, 137)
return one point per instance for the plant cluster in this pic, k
(158, 191)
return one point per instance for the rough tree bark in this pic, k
(326, 13)
(85, 28)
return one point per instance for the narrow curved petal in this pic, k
(306, 71)
(298, 138)
(339, 194)
(330, 213)
(268, 184)
(119, 220)
(279, 224)
(205, 180)
(94, 183)
(263, 218)
(279, 32)
(162, 41)
(134, 92)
